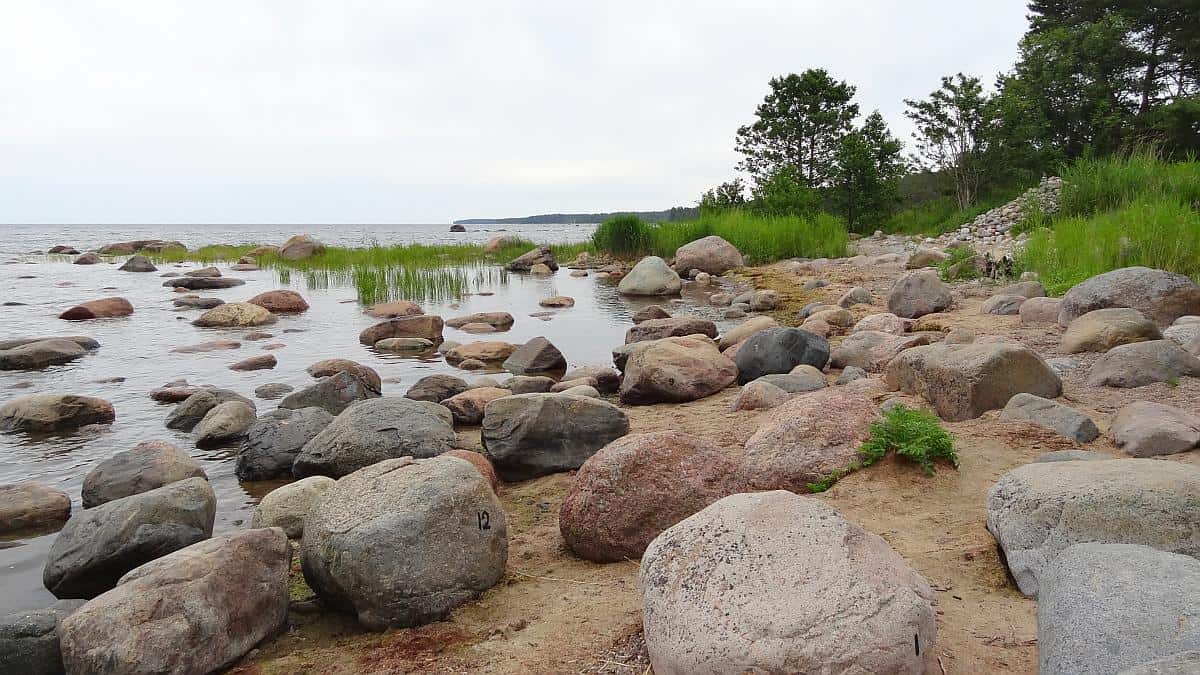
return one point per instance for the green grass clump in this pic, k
(960, 264)
(760, 238)
(1092, 186)
(205, 254)
(915, 435)
(941, 215)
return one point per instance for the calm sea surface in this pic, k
(135, 354)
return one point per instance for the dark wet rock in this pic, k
(333, 394)
(188, 414)
(138, 263)
(532, 435)
(203, 283)
(29, 639)
(375, 430)
(272, 443)
(436, 388)
(99, 545)
(147, 466)
(779, 350)
(536, 356)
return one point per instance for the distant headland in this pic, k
(675, 213)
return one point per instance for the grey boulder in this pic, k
(1148, 429)
(1161, 296)
(779, 350)
(535, 356)
(375, 430)
(225, 423)
(147, 466)
(332, 394)
(1141, 363)
(29, 640)
(919, 293)
(188, 414)
(531, 435)
(1052, 415)
(272, 443)
(651, 276)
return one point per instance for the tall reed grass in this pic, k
(761, 239)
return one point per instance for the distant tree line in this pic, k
(1094, 78)
(672, 214)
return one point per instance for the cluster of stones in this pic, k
(991, 229)
(398, 525)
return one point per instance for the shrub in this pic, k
(960, 264)
(941, 215)
(915, 435)
(623, 235)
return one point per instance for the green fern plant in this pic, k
(915, 435)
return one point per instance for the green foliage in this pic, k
(960, 264)
(949, 134)
(205, 254)
(915, 435)
(784, 193)
(625, 235)
(941, 215)
(798, 125)
(866, 181)
(1093, 185)
(727, 195)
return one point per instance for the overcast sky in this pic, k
(259, 111)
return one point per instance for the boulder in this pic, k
(273, 390)
(926, 257)
(1040, 310)
(226, 422)
(404, 345)
(29, 639)
(54, 412)
(758, 395)
(743, 330)
(422, 326)
(1148, 429)
(851, 374)
(808, 437)
(193, 409)
(1103, 329)
(499, 320)
(394, 309)
(528, 384)
(650, 312)
(637, 486)
(796, 383)
(1037, 510)
(287, 506)
(764, 301)
(99, 545)
(675, 370)
(488, 352)
(235, 315)
(541, 255)
(275, 439)
(1105, 608)
(1025, 289)
(105, 308)
(262, 362)
(1003, 305)
(1141, 363)
(436, 388)
(375, 430)
(676, 326)
(651, 276)
(467, 407)
(403, 542)
(149, 465)
(531, 435)
(919, 293)
(710, 254)
(538, 355)
(206, 272)
(280, 301)
(138, 263)
(1161, 296)
(88, 258)
(779, 350)
(1061, 419)
(194, 302)
(817, 593)
(329, 367)
(1182, 333)
(202, 283)
(32, 506)
(606, 380)
(872, 350)
(300, 247)
(884, 323)
(965, 381)
(40, 354)
(560, 301)
(856, 296)
(333, 394)
(196, 610)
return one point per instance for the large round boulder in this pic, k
(375, 430)
(147, 466)
(280, 301)
(403, 542)
(194, 611)
(637, 486)
(538, 355)
(919, 293)
(333, 394)
(1141, 363)
(1102, 329)
(651, 276)
(54, 412)
(235, 315)
(99, 545)
(872, 350)
(1161, 296)
(531, 435)
(287, 506)
(1040, 310)
(32, 506)
(675, 370)
(775, 566)
(963, 381)
(1037, 510)
(779, 350)
(104, 308)
(300, 247)
(1148, 429)
(420, 326)
(808, 437)
(710, 254)
(272, 443)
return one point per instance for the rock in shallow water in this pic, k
(147, 466)
(272, 443)
(32, 506)
(29, 640)
(333, 394)
(54, 412)
(374, 430)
